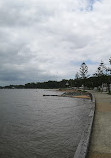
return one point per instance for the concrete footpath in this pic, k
(100, 144)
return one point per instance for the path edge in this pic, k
(82, 148)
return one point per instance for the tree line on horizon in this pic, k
(102, 75)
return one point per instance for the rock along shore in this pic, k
(76, 94)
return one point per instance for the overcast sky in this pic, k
(43, 40)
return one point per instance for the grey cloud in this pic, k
(39, 39)
(16, 76)
(17, 14)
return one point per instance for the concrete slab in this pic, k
(100, 145)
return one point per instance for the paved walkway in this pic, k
(100, 145)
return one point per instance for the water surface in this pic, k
(33, 126)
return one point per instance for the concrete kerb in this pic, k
(82, 149)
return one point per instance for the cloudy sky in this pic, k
(43, 40)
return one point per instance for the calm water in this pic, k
(33, 126)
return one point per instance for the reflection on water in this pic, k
(33, 126)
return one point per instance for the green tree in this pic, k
(83, 70)
(77, 75)
(109, 77)
(101, 70)
(83, 73)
